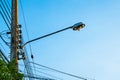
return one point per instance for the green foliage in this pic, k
(9, 71)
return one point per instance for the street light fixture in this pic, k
(78, 26)
(75, 27)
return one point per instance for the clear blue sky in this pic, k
(92, 52)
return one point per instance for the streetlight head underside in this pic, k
(78, 26)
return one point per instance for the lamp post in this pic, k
(75, 27)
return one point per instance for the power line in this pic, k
(5, 14)
(8, 3)
(8, 7)
(27, 67)
(60, 71)
(4, 41)
(35, 77)
(5, 20)
(3, 48)
(25, 25)
(38, 70)
(5, 10)
(4, 56)
(24, 19)
(5, 17)
(44, 73)
(27, 33)
(49, 75)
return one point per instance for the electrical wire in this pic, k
(40, 78)
(4, 41)
(4, 56)
(38, 71)
(75, 76)
(27, 33)
(5, 15)
(8, 2)
(40, 68)
(37, 68)
(27, 66)
(3, 32)
(5, 20)
(6, 9)
(24, 19)
(37, 76)
(3, 48)
(25, 24)
(3, 8)
(49, 75)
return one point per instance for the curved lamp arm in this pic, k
(75, 27)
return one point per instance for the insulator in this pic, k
(20, 36)
(20, 47)
(19, 25)
(19, 31)
(23, 57)
(20, 41)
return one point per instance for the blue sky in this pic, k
(92, 52)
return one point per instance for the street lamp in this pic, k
(78, 26)
(75, 27)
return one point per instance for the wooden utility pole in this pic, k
(14, 33)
